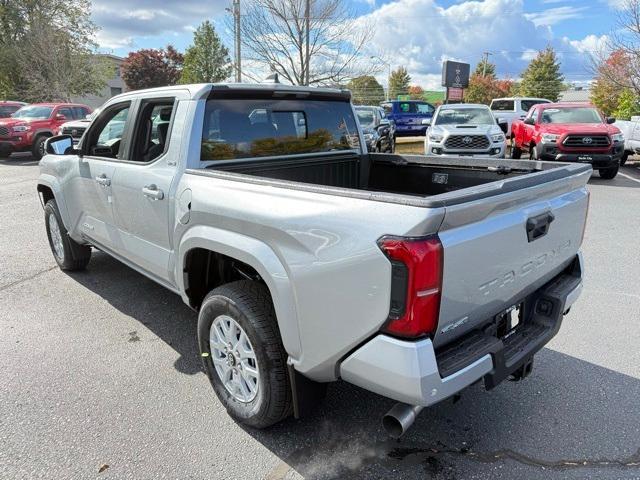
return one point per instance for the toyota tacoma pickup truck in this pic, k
(309, 260)
(28, 128)
(569, 132)
(465, 129)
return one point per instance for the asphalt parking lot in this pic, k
(99, 371)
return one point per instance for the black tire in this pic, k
(516, 153)
(74, 256)
(392, 145)
(37, 150)
(533, 153)
(624, 158)
(608, 173)
(249, 304)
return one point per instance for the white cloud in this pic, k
(555, 15)
(419, 34)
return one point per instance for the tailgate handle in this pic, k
(538, 226)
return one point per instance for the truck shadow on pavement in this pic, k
(621, 180)
(569, 418)
(158, 309)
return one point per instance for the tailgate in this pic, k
(495, 254)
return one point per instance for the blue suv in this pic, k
(408, 116)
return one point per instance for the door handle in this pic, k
(103, 180)
(152, 191)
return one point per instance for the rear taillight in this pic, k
(416, 285)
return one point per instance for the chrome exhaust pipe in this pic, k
(400, 418)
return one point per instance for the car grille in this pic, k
(4, 132)
(467, 142)
(586, 141)
(75, 132)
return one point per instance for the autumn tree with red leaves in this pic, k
(148, 68)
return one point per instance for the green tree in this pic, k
(542, 78)
(610, 76)
(150, 67)
(485, 68)
(628, 105)
(365, 90)
(399, 83)
(46, 50)
(207, 60)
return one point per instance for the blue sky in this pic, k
(414, 33)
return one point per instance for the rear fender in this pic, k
(262, 258)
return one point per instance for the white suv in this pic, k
(514, 108)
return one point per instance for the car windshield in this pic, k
(571, 115)
(33, 112)
(366, 118)
(464, 116)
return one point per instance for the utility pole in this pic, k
(236, 31)
(307, 57)
(484, 63)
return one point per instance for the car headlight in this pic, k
(617, 137)
(550, 138)
(498, 137)
(435, 138)
(21, 128)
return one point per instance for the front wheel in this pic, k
(37, 150)
(624, 158)
(516, 153)
(534, 154)
(608, 173)
(242, 353)
(68, 254)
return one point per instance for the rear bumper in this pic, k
(414, 373)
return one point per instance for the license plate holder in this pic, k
(585, 158)
(509, 320)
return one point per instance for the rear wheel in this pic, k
(608, 173)
(242, 353)
(68, 254)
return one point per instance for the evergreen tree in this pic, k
(542, 78)
(399, 83)
(207, 60)
(365, 90)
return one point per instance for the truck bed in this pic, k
(409, 179)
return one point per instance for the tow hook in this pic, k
(523, 372)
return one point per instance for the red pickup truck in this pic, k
(29, 127)
(569, 132)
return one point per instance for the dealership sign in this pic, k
(455, 94)
(455, 74)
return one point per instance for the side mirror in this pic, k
(426, 121)
(60, 116)
(59, 145)
(88, 116)
(611, 120)
(503, 124)
(529, 121)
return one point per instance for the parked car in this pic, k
(408, 116)
(309, 260)
(569, 132)
(29, 127)
(466, 130)
(8, 108)
(631, 131)
(514, 108)
(76, 128)
(379, 133)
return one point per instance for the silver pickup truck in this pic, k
(310, 261)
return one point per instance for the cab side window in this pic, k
(106, 134)
(151, 137)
